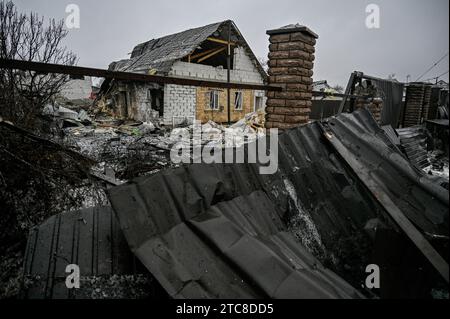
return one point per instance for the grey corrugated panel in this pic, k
(422, 201)
(392, 134)
(321, 109)
(318, 197)
(90, 238)
(234, 249)
(372, 160)
(414, 143)
(392, 95)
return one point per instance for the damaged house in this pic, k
(199, 53)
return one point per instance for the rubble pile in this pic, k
(439, 164)
(246, 130)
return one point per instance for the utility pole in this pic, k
(228, 73)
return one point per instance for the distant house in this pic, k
(199, 53)
(321, 86)
(442, 84)
(77, 89)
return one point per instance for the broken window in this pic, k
(238, 100)
(214, 100)
(155, 99)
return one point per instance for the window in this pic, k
(238, 100)
(258, 103)
(214, 100)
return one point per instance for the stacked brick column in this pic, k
(417, 103)
(426, 102)
(374, 105)
(290, 67)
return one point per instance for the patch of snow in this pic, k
(302, 224)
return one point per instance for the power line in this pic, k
(439, 61)
(437, 77)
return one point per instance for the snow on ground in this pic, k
(439, 164)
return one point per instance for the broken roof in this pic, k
(160, 54)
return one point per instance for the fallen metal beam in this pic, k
(125, 76)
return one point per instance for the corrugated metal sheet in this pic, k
(413, 142)
(424, 202)
(225, 231)
(232, 249)
(409, 199)
(317, 196)
(392, 95)
(90, 238)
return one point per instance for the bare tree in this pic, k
(338, 88)
(23, 94)
(264, 63)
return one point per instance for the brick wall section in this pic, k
(375, 106)
(179, 103)
(417, 103)
(205, 114)
(291, 57)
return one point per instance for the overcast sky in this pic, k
(413, 34)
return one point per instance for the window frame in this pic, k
(214, 95)
(255, 106)
(241, 99)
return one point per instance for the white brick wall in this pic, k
(244, 70)
(179, 103)
(242, 61)
(77, 89)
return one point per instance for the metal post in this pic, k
(228, 73)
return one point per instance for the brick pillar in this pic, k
(417, 103)
(291, 59)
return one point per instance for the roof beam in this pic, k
(211, 54)
(45, 68)
(220, 41)
(198, 55)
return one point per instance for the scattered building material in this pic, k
(413, 142)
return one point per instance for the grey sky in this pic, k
(413, 34)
